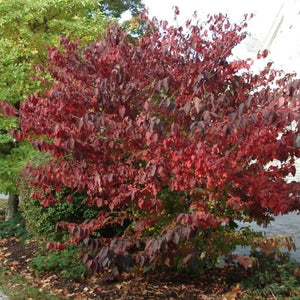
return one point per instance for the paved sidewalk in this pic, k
(3, 297)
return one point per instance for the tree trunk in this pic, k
(12, 206)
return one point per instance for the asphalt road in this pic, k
(283, 225)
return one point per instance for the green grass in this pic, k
(17, 288)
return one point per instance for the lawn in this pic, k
(18, 287)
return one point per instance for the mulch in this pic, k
(15, 256)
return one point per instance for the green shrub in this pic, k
(66, 262)
(15, 227)
(41, 221)
(271, 277)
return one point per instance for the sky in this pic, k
(235, 9)
(285, 52)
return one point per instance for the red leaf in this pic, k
(176, 10)
(122, 110)
(197, 103)
(7, 109)
(155, 137)
(152, 170)
(265, 53)
(148, 135)
(99, 202)
(187, 107)
(71, 143)
(85, 258)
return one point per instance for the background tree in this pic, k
(27, 28)
(116, 7)
(170, 138)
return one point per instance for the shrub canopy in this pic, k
(168, 134)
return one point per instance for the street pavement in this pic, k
(282, 225)
(3, 297)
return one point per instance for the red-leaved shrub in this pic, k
(169, 137)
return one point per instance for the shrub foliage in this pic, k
(64, 262)
(169, 137)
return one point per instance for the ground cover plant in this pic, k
(169, 137)
(270, 279)
(15, 227)
(65, 263)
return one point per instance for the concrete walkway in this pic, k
(3, 297)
